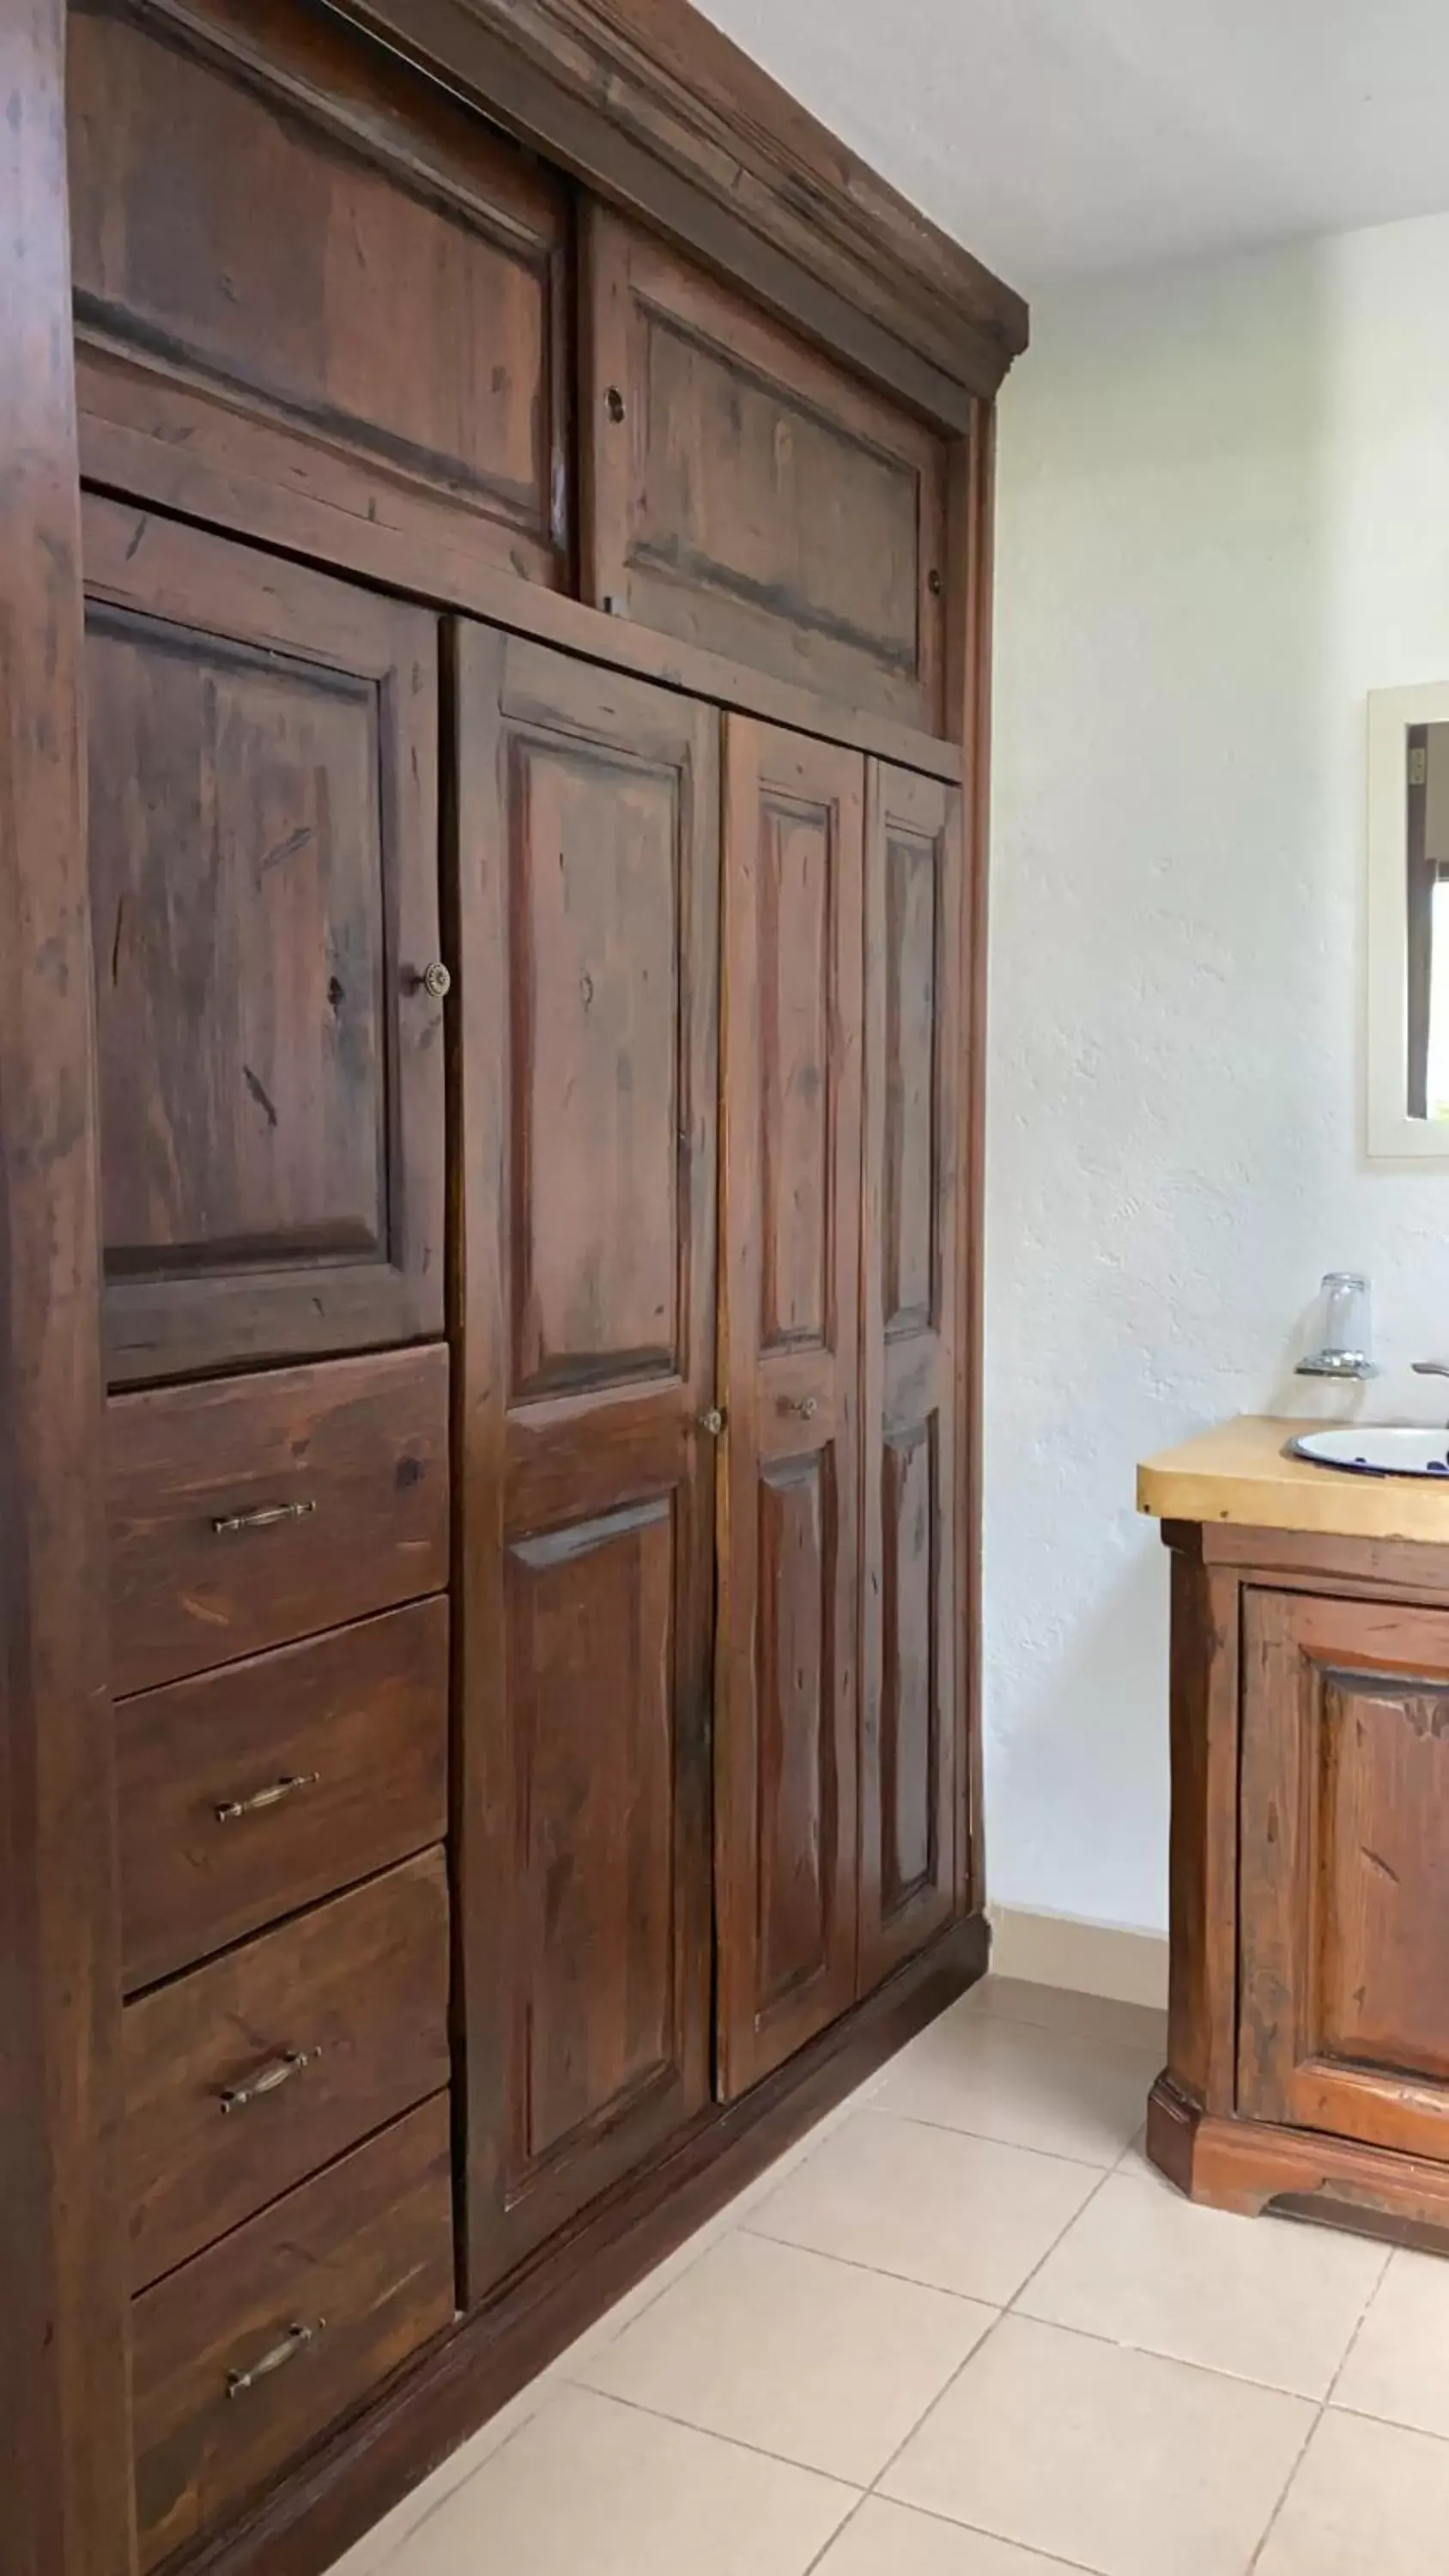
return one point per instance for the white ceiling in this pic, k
(1059, 137)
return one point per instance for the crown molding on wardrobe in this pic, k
(660, 113)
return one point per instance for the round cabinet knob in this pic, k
(437, 981)
(806, 1406)
(713, 1422)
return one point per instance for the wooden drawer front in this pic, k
(268, 211)
(260, 1788)
(343, 2280)
(249, 2075)
(746, 494)
(354, 1453)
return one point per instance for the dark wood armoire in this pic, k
(494, 575)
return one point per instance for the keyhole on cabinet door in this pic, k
(614, 403)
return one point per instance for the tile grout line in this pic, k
(977, 2348)
(1320, 2411)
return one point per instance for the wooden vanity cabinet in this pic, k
(495, 509)
(1308, 2057)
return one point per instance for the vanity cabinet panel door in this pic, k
(587, 940)
(1344, 2021)
(263, 746)
(911, 1294)
(787, 1695)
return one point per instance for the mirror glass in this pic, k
(1407, 1015)
(1426, 888)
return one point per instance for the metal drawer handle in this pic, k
(295, 2340)
(266, 1516)
(807, 1406)
(235, 2097)
(231, 1808)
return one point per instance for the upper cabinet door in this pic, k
(744, 493)
(914, 1066)
(263, 747)
(787, 1696)
(313, 296)
(1344, 1894)
(588, 904)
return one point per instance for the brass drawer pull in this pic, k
(235, 2097)
(266, 1516)
(807, 1406)
(231, 1808)
(295, 2340)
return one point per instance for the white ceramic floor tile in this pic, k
(1097, 2017)
(1399, 2366)
(1369, 2500)
(957, 2213)
(1255, 2296)
(891, 2540)
(1029, 2088)
(794, 2353)
(1120, 2461)
(592, 2488)
(375, 2553)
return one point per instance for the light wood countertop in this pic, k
(1238, 1472)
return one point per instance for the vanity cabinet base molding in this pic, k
(1308, 2048)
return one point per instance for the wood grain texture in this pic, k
(263, 869)
(586, 892)
(357, 1448)
(1344, 1907)
(913, 1741)
(742, 493)
(787, 1692)
(1203, 1851)
(308, 2519)
(351, 1728)
(1241, 1473)
(968, 689)
(348, 2003)
(1248, 2166)
(664, 117)
(361, 2258)
(267, 208)
(64, 2464)
(164, 443)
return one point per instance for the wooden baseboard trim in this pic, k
(331, 2500)
(1249, 2165)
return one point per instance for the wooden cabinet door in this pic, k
(911, 1304)
(1344, 1893)
(263, 747)
(588, 900)
(787, 1670)
(742, 491)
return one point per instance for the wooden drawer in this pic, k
(249, 2353)
(745, 493)
(254, 1510)
(252, 2073)
(255, 1790)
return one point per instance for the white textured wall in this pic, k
(1224, 516)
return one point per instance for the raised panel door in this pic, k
(911, 1303)
(587, 893)
(787, 1693)
(351, 292)
(1344, 1899)
(263, 870)
(743, 492)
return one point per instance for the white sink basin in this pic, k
(1377, 1449)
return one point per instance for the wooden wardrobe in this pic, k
(495, 543)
